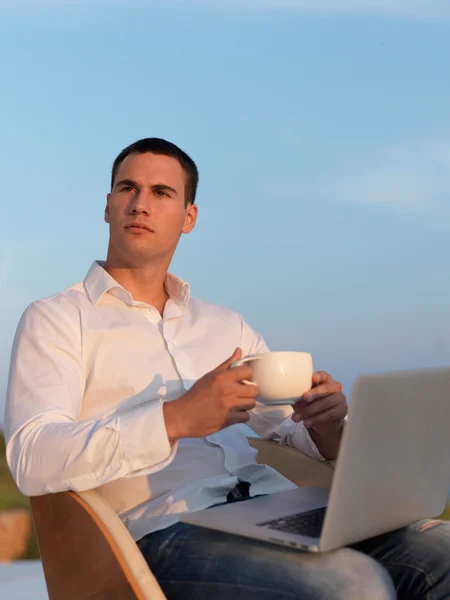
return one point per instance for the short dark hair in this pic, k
(165, 148)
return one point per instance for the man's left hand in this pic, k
(324, 407)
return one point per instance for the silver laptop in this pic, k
(393, 469)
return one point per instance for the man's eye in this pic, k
(126, 188)
(161, 193)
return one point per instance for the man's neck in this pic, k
(145, 284)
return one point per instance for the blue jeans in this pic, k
(201, 564)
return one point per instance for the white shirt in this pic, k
(89, 370)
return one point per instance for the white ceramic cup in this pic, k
(282, 377)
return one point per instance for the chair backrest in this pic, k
(300, 469)
(87, 552)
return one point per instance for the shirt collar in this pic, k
(98, 282)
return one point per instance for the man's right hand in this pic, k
(215, 401)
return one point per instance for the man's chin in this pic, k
(134, 253)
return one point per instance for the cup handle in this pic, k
(239, 363)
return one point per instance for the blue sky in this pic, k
(322, 134)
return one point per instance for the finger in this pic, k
(245, 391)
(239, 417)
(300, 405)
(335, 414)
(321, 377)
(239, 373)
(237, 355)
(316, 394)
(244, 404)
(322, 390)
(303, 410)
(316, 408)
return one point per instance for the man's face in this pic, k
(146, 209)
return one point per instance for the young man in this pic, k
(123, 383)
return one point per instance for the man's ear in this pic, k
(190, 219)
(108, 196)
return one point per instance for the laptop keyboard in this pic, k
(305, 523)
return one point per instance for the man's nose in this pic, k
(140, 204)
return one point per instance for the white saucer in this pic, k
(289, 401)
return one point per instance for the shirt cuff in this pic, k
(313, 451)
(144, 441)
(296, 435)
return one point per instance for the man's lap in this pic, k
(192, 562)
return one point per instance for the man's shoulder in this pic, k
(67, 300)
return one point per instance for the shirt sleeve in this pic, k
(275, 422)
(48, 448)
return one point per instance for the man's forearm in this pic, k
(58, 456)
(327, 442)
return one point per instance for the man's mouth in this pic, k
(137, 226)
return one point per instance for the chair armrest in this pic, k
(295, 466)
(86, 551)
(88, 554)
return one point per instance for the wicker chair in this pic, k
(88, 554)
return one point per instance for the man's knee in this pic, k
(357, 577)
(377, 584)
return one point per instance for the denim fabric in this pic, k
(417, 558)
(196, 563)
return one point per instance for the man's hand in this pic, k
(215, 401)
(322, 411)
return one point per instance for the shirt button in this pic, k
(147, 311)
